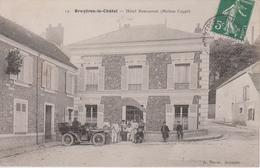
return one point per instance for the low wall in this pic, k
(156, 136)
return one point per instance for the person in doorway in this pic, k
(179, 130)
(165, 131)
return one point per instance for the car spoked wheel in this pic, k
(98, 139)
(67, 139)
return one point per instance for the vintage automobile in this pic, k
(83, 135)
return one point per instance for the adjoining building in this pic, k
(148, 72)
(238, 99)
(40, 96)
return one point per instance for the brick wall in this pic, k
(9, 91)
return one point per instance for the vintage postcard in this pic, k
(129, 83)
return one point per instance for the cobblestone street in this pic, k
(238, 147)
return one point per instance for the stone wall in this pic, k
(112, 108)
(155, 112)
(112, 66)
(158, 70)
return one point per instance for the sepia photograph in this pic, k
(129, 83)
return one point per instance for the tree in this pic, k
(226, 59)
(14, 61)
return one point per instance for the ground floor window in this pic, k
(251, 114)
(91, 115)
(181, 114)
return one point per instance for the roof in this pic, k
(256, 80)
(139, 33)
(240, 73)
(23, 36)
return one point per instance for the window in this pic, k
(135, 77)
(91, 114)
(182, 76)
(70, 83)
(20, 116)
(50, 76)
(246, 93)
(26, 71)
(91, 78)
(251, 114)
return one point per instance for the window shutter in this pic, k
(169, 116)
(145, 77)
(124, 78)
(81, 79)
(28, 69)
(101, 78)
(100, 116)
(192, 117)
(56, 75)
(170, 76)
(54, 78)
(123, 112)
(44, 74)
(194, 76)
(67, 82)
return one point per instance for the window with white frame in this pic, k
(182, 76)
(26, 71)
(20, 116)
(50, 76)
(246, 93)
(70, 83)
(91, 78)
(135, 77)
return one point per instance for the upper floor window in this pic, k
(135, 77)
(70, 85)
(26, 71)
(251, 114)
(91, 78)
(182, 76)
(50, 76)
(246, 93)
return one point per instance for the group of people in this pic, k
(126, 131)
(165, 131)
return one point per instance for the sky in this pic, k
(36, 15)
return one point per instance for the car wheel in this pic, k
(67, 139)
(98, 139)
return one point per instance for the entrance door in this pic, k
(181, 114)
(133, 113)
(91, 115)
(48, 121)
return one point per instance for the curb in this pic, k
(204, 138)
(22, 150)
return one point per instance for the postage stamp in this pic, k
(232, 18)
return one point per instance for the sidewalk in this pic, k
(16, 151)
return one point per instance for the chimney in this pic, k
(198, 29)
(55, 34)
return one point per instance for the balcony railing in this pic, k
(181, 86)
(91, 87)
(134, 86)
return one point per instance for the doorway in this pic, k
(133, 113)
(181, 114)
(48, 121)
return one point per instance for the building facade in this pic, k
(238, 99)
(152, 72)
(40, 96)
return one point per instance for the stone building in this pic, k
(40, 96)
(148, 72)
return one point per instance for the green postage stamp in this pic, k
(232, 18)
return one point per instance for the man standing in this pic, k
(165, 131)
(179, 131)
